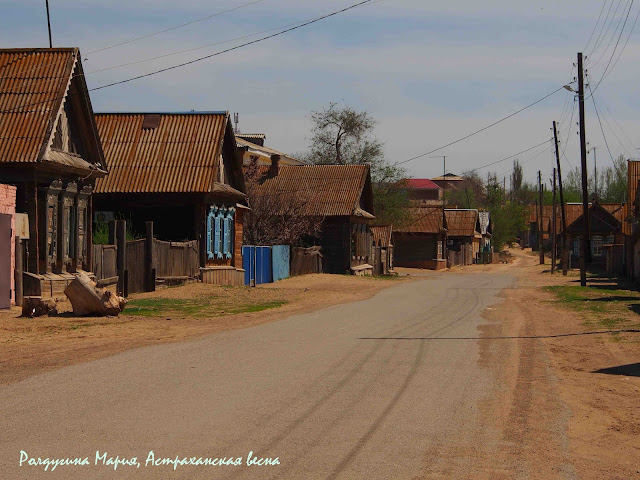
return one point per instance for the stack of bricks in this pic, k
(8, 206)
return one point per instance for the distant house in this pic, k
(463, 236)
(421, 243)
(605, 228)
(423, 190)
(340, 197)
(449, 182)
(181, 171)
(251, 146)
(50, 151)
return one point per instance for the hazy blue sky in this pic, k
(429, 72)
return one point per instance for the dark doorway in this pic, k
(6, 238)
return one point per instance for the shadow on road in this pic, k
(631, 370)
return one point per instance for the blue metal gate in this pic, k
(257, 265)
(280, 255)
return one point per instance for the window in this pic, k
(220, 233)
(596, 246)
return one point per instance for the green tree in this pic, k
(342, 135)
(509, 217)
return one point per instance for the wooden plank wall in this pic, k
(135, 266)
(104, 261)
(305, 261)
(223, 276)
(176, 259)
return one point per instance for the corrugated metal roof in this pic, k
(381, 235)
(33, 83)
(327, 190)
(181, 154)
(423, 220)
(462, 223)
(259, 136)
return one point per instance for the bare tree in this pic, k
(277, 217)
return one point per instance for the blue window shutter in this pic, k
(225, 242)
(232, 234)
(216, 242)
(209, 226)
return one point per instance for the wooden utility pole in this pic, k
(562, 210)
(553, 251)
(584, 248)
(595, 172)
(49, 25)
(541, 220)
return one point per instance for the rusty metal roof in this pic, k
(241, 142)
(33, 83)
(327, 190)
(181, 154)
(423, 220)
(382, 234)
(462, 223)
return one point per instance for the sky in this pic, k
(428, 72)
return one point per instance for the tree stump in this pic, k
(38, 306)
(88, 299)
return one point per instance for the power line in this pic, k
(600, 36)
(595, 26)
(126, 42)
(602, 130)
(282, 32)
(614, 51)
(509, 157)
(480, 130)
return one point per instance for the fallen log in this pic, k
(88, 299)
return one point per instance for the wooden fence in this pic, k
(176, 259)
(168, 261)
(306, 260)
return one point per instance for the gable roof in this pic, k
(462, 223)
(423, 220)
(381, 235)
(167, 153)
(34, 86)
(420, 183)
(601, 220)
(331, 190)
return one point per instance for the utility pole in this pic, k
(540, 216)
(595, 171)
(564, 218)
(49, 25)
(584, 249)
(553, 251)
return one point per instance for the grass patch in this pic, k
(602, 307)
(199, 307)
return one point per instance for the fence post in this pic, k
(121, 254)
(17, 274)
(149, 261)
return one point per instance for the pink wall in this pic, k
(8, 206)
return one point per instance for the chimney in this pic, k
(275, 165)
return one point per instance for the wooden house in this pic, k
(422, 242)
(423, 191)
(339, 197)
(605, 228)
(50, 151)
(463, 236)
(181, 171)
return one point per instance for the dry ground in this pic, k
(570, 394)
(34, 345)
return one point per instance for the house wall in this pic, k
(417, 250)
(8, 207)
